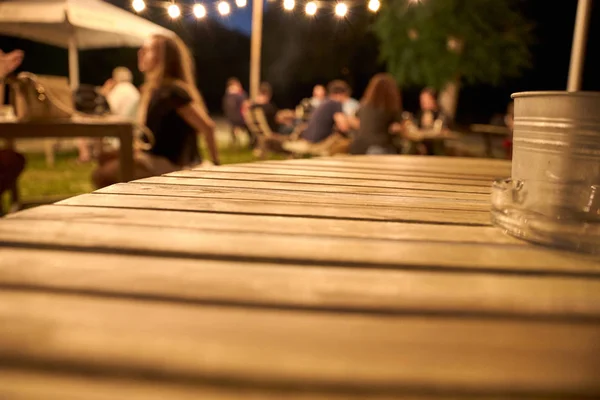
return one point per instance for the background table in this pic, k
(78, 127)
(335, 278)
(74, 128)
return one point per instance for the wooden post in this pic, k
(255, 50)
(579, 41)
(73, 61)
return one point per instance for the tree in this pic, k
(440, 43)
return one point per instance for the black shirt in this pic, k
(232, 108)
(321, 122)
(374, 129)
(174, 138)
(270, 111)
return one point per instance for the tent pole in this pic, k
(255, 49)
(73, 61)
(579, 41)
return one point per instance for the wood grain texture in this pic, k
(462, 167)
(267, 224)
(233, 182)
(298, 287)
(279, 173)
(301, 210)
(275, 348)
(28, 385)
(296, 249)
(330, 278)
(389, 202)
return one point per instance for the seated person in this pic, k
(379, 117)
(172, 109)
(278, 120)
(350, 107)
(329, 116)
(430, 117)
(122, 96)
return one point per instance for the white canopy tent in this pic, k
(75, 24)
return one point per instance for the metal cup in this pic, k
(556, 140)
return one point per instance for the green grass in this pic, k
(42, 184)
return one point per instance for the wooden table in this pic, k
(73, 128)
(78, 127)
(373, 277)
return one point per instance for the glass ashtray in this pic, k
(564, 215)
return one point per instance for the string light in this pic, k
(341, 9)
(241, 3)
(223, 8)
(374, 5)
(174, 11)
(138, 5)
(311, 8)
(289, 4)
(199, 11)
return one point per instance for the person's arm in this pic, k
(341, 122)
(196, 117)
(354, 123)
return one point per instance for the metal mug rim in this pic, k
(553, 93)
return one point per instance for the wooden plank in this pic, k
(270, 348)
(268, 224)
(52, 385)
(297, 287)
(309, 250)
(269, 196)
(281, 209)
(472, 169)
(366, 180)
(310, 187)
(459, 172)
(390, 161)
(282, 168)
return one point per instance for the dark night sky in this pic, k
(554, 22)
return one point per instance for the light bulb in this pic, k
(374, 5)
(311, 8)
(241, 3)
(341, 9)
(138, 5)
(223, 8)
(289, 4)
(174, 11)
(199, 11)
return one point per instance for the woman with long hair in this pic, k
(171, 108)
(378, 118)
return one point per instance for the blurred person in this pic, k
(280, 121)
(232, 107)
(172, 109)
(378, 121)
(11, 162)
(350, 107)
(430, 117)
(329, 116)
(10, 61)
(122, 96)
(318, 97)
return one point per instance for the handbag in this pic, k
(44, 99)
(35, 101)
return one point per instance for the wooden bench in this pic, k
(373, 277)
